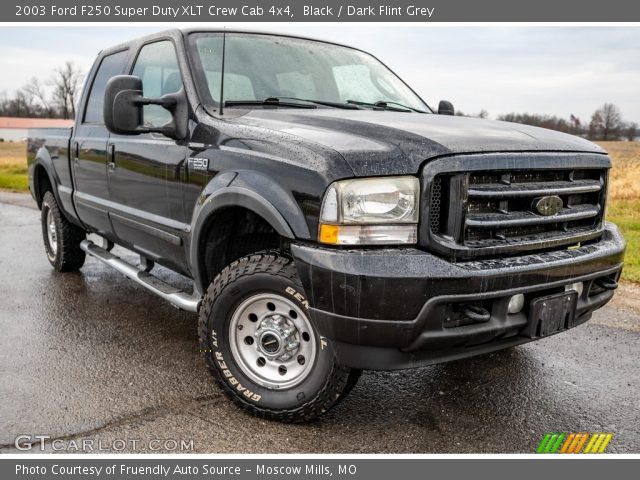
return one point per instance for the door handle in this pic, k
(76, 152)
(111, 163)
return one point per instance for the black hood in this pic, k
(391, 143)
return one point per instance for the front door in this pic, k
(145, 185)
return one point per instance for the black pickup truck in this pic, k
(329, 220)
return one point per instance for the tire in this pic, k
(259, 298)
(61, 238)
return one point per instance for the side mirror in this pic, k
(445, 108)
(124, 109)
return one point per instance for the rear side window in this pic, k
(157, 66)
(110, 66)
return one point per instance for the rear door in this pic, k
(89, 149)
(145, 184)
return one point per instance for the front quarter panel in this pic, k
(278, 176)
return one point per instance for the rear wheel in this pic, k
(262, 348)
(61, 238)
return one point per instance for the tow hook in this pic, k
(607, 283)
(475, 313)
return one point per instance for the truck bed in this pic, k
(52, 144)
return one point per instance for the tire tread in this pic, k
(70, 257)
(271, 262)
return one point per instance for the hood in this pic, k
(394, 143)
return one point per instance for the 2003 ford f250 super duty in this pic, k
(329, 219)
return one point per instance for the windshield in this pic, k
(258, 67)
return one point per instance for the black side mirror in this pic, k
(124, 113)
(445, 108)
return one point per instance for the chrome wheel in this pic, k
(52, 236)
(272, 341)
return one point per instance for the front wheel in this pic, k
(261, 346)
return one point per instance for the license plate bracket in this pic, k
(552, 313)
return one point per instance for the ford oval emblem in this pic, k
(548, 206)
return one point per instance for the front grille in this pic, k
(484, 212)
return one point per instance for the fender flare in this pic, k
(42, 162)
(249, 190)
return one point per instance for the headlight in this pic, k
(370, 211)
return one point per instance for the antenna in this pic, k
(224, 44)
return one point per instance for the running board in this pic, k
(179, 298)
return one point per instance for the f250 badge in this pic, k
(195, 163)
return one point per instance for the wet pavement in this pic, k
(91, 356)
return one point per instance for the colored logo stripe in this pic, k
(598, 443)
(574, 442)
(550, 443)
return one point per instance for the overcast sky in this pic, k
(548, 70)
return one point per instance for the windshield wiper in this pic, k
(270, 101)
(387, 105)
(282, 102)
(347, 106)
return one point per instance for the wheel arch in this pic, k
(242, 193)
(42, 181)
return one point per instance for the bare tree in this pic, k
(66, 84)
(481, 114)
(611, 120)
(596, 125)
(37, 90)
(575, 125)
(545, 121)
(631, 131)
(20, 105)
(55, 98)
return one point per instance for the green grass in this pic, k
(626, 214)
(14, 178)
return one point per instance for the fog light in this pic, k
(516, 303)
(578, 287)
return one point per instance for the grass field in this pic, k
(624, 191)
(13, 166)
(624, 200)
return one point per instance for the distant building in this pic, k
(13, 129)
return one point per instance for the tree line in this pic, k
(55, 97)
(606, 123)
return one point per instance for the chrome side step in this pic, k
(175, 296)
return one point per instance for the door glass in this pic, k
(157, 66)
(110, 66)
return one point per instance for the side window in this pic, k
(157, 66)
(110, 66)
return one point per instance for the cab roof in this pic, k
(184, 32)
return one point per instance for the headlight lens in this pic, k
(371, 211)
